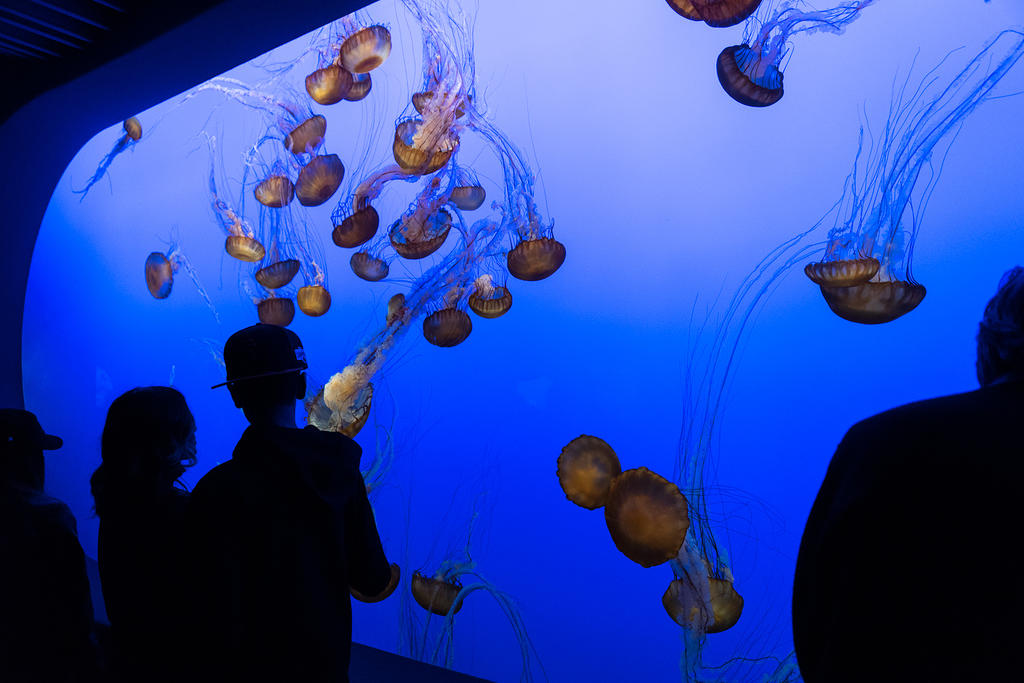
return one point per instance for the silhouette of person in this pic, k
(46, 628)
(281, 530)
(907, 569)
(149, 440)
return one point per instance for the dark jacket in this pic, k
(909, 568)
(142, 571)
(281, 532)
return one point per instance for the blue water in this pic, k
(665, 193)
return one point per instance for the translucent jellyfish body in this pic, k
(842, 272)
(424, 100)
(687, 609)
(368, 267)
(307, 136)
(489, 300)
(276, 311)
(277, 274)
(468, 197)
(366, 49)
(159, 275)
(361, 85)
(244, 248)
(646, 516)
(419, 157)
(313, 300)
(874, 303)
(536, 259)
(436, 595)
(748, 79)
(721, 13)
(356, 229)
(329, 85)
(319, 179)
(396, 574)
(396, 308)
(587, 467)
(685, 8)
(275, 191)
(133, 129)
(417, 237)
(447, 327)
(343, 404)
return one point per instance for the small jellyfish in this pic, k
(447, 327)
(329, 85)
(489, 300)
(468, 194)
(132, 128)
(132, 134)
(307, 136)
(842, 273)
(587, 466)
(396, 575)
(356, 228)
(278, 274)
(276, 311)
(366, 49)
(396, 308)
(646, 516)
(319, 179)
(244, 248)
(688, 612)
(874, 303)
(159, 275)
(275, 191)
(536, 259)
(361, 85)
(717, 13)
(420, 150)
(685, 8)
(436, 594)
(368, 267)
(313, 300)
(420, 236)
(747, 80)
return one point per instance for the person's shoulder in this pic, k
(221, 475)
(332, 445)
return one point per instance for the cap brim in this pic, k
(49, 442)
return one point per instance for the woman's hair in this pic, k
(143, 446)
(1001, 332)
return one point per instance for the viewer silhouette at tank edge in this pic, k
(46, 622)
(280, 532)
(906, 570)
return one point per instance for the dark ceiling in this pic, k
(45, 43)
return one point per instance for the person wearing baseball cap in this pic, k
(280, 531)
(46, 626)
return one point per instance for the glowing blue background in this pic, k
(663, 189)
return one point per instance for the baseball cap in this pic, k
(20, 428)
(262, 351)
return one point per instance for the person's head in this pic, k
(22, 442)
(1001, 331)
(265, 371)
(149, 440)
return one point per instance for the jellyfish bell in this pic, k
(159, 275)
(357, 228)
(646, 516)
(319, 179)
(842, 273)
(489, 300)
(685, 8)
(874, 303)
(361, 85)
(447, 327)
(687, 609)
(313, 300)
(307, 136)
(132, 128)
(329, 85)
(396, 575)
(421, 102)
(244, 248)
(436, 595)
(359, 420)
(416, 238)
(275, 191)
(722, 13)
(276, 311)
(366, 49)
(536, 259)
(396, 308)
(368, 267)
(468, 197)
(748, 79)
(587, 466)
(277, 274)
(411, 157)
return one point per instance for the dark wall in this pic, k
(41, 138)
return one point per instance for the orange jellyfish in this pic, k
(132, 134)
(717, 13)
(874, 303)
(313, 300)
(435, 594)
(366, 49)
(489, 300)
(536, 259)
(447, 327)
(357, 228)
(278, 274)
(159, 275)
(275, 191)
(132, 128)
(368, 267)
(420, 148)
(396, 574)
(587, 467)
(842, 272)
(418, 236)
(319, 179)
(244, 248)
(468, 194)
(361, 85)
(276, 311)
(307, 136)
(726, 605)
(646, 516)
(755, 83)
(329, 85)
(396, 308)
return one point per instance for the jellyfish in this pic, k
(319, 179)
(865, 275)
(313, 300)
(369, 266)
(329, 84)
(423, 228)
(366, 49)
(275, 190)
(468, 194)
(161, 267)
(536, 258)
(717, 13)
(241, 242)
(587, 467)
(132, 134)
(421, 149)
(447, 327)
(361, 86)
(356, 228)
(489, 300)
(396, 308)
(436, 594)
(276, 311)
(396, 576)
(646, 516)
(278, 274)
(751, 73)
